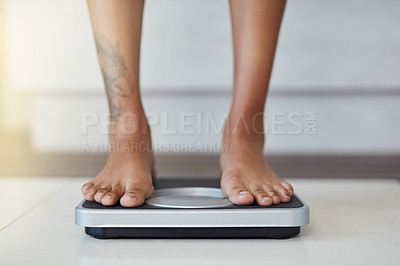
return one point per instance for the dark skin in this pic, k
(128, 174)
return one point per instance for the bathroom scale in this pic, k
(192, 208)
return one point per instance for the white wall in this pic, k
(343, 125)
(324, 45)
(186, 45)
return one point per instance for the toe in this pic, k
(240, 196)
(86, 186)
(236, 191)
(284, 194)
(132, 199)
(263, 199)
(111, 197)
(136, 197)
(288, 187)
(89, 194)
(100, 193)
(275, 197)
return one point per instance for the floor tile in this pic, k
(20, 195)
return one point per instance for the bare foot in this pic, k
(245, 174)
(126, 177)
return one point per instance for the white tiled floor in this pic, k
(353, 222)
(24, 194)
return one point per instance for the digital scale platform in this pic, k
(192, 208)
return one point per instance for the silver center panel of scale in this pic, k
(188, 197)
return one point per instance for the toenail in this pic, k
(243, 193)
(131, 195)
(107, 196)
(286, 197)
(265, 199)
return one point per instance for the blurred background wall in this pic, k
(338, 60)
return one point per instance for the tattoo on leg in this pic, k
(116, 76)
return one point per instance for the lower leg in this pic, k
(127, 175)
(245, 174)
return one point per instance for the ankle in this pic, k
(244, 125)
(130, 125)
(130, 133)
